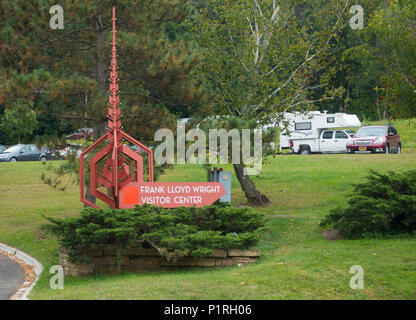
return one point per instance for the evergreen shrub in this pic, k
(175, 233)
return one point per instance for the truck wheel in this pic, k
(304, 151)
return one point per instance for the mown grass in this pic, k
(296, 262)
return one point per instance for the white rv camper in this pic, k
(316, 132)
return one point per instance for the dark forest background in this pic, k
(55, 81)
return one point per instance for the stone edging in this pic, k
(27, 286)
(104, 260)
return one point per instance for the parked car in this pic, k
(49, 154)
(74, 148)
(2, 148)
(376, 139)
(81, 133)
(135, 148)
(23, 152)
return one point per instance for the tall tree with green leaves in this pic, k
(261, 61)
(351, 70)
(19, 121)
(374, 66)
(395, 26)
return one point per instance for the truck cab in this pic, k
(316, 132)
(329, 141)
(334, 141)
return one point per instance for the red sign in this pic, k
(171, 194)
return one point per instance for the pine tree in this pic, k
(63, 73)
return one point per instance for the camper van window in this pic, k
(330, 119)
(303, 126)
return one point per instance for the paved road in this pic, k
(11, 277)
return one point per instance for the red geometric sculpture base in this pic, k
(106, 183)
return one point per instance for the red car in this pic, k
(376, 139)
(81, 133)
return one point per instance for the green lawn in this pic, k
(296, 262)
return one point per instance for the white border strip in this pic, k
(28, 260)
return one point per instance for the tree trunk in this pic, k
(100, 128)
(101, 54)
(254, 196)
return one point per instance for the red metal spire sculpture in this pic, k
(114, 165)
(116, 171)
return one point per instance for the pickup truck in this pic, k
(329, 141)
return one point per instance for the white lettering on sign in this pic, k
(172, 194)
(179, 189)
(155, 200)
(206, 189)
(187, 199)
(167, 200)
(152, 189)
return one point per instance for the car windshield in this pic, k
(12, 149)
(371, 132)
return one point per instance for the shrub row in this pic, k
(175, 233)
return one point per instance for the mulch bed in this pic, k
(30, 275)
